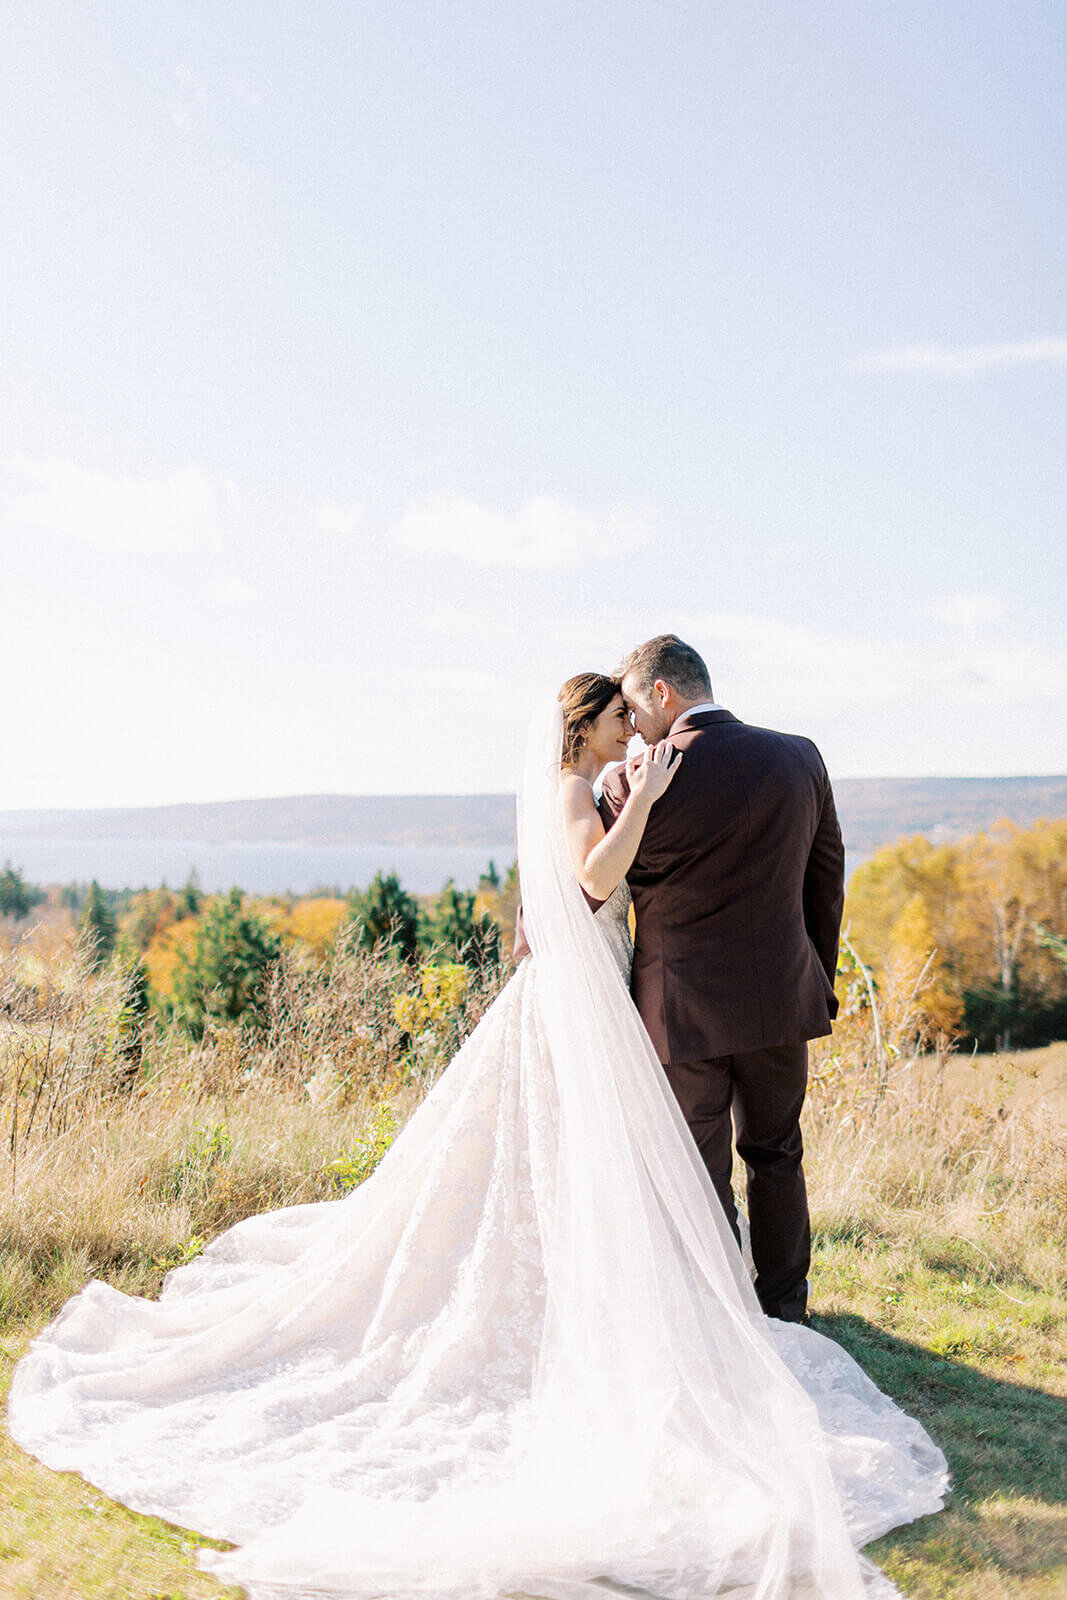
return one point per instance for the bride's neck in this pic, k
(585, 766)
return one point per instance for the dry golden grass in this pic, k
(938, 1201)
(939, 1208)
(128, 1146)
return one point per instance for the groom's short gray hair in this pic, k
(668, 658)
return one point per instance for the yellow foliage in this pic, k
(442, 988)
(918, 964)
(314, 922)
(164, 951)
(977, 903)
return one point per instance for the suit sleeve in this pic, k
(824, 884)
(614, 793)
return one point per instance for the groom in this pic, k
(738, 888)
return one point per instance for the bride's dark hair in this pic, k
(583, 698)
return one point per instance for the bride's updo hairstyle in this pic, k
(583, 698)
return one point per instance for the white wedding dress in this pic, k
(523, 1358)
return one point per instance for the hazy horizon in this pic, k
(497, 794)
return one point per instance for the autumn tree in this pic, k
(976, 903)
(506, 910)
(919, 969)
(149, 913)
(1051, 941)
(315, 920)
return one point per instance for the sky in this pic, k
(368, 368)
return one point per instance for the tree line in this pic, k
(191, 957)
(977, 927)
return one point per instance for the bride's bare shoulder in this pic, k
(576, 793)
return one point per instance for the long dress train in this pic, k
(523, 1357)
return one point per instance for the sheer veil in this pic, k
(522, 1358)
(654, 1338)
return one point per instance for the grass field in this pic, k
(939, 1204)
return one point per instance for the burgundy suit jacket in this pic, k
(738, 889)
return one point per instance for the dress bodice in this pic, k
(613, 920)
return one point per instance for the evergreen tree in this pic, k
(131, 1018)
(458, 928)
(489, 882)
(227, 974)
(190, 896)
(17, 897)
(99, 931)
(385, 914)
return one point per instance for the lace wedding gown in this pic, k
(522, 1358)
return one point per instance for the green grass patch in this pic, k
(981, 1363)
(60, 1539)
(983, 1372)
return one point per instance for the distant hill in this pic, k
(316, 819)
(874, 811)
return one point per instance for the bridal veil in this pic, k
(523, 1358)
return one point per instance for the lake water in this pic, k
(259, 868)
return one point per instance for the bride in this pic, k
(523, 1358)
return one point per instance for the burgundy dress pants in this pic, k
(765, 1091)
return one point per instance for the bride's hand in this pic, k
(651, 772)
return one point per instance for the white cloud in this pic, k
(543, 533)
(764, 667)
(780, 672)
(966, 610)
(338, 521)
(965, 360)
(185, 510)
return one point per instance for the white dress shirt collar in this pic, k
(695, 711)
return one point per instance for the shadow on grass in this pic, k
(1006, 1445)
(999, 1437)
